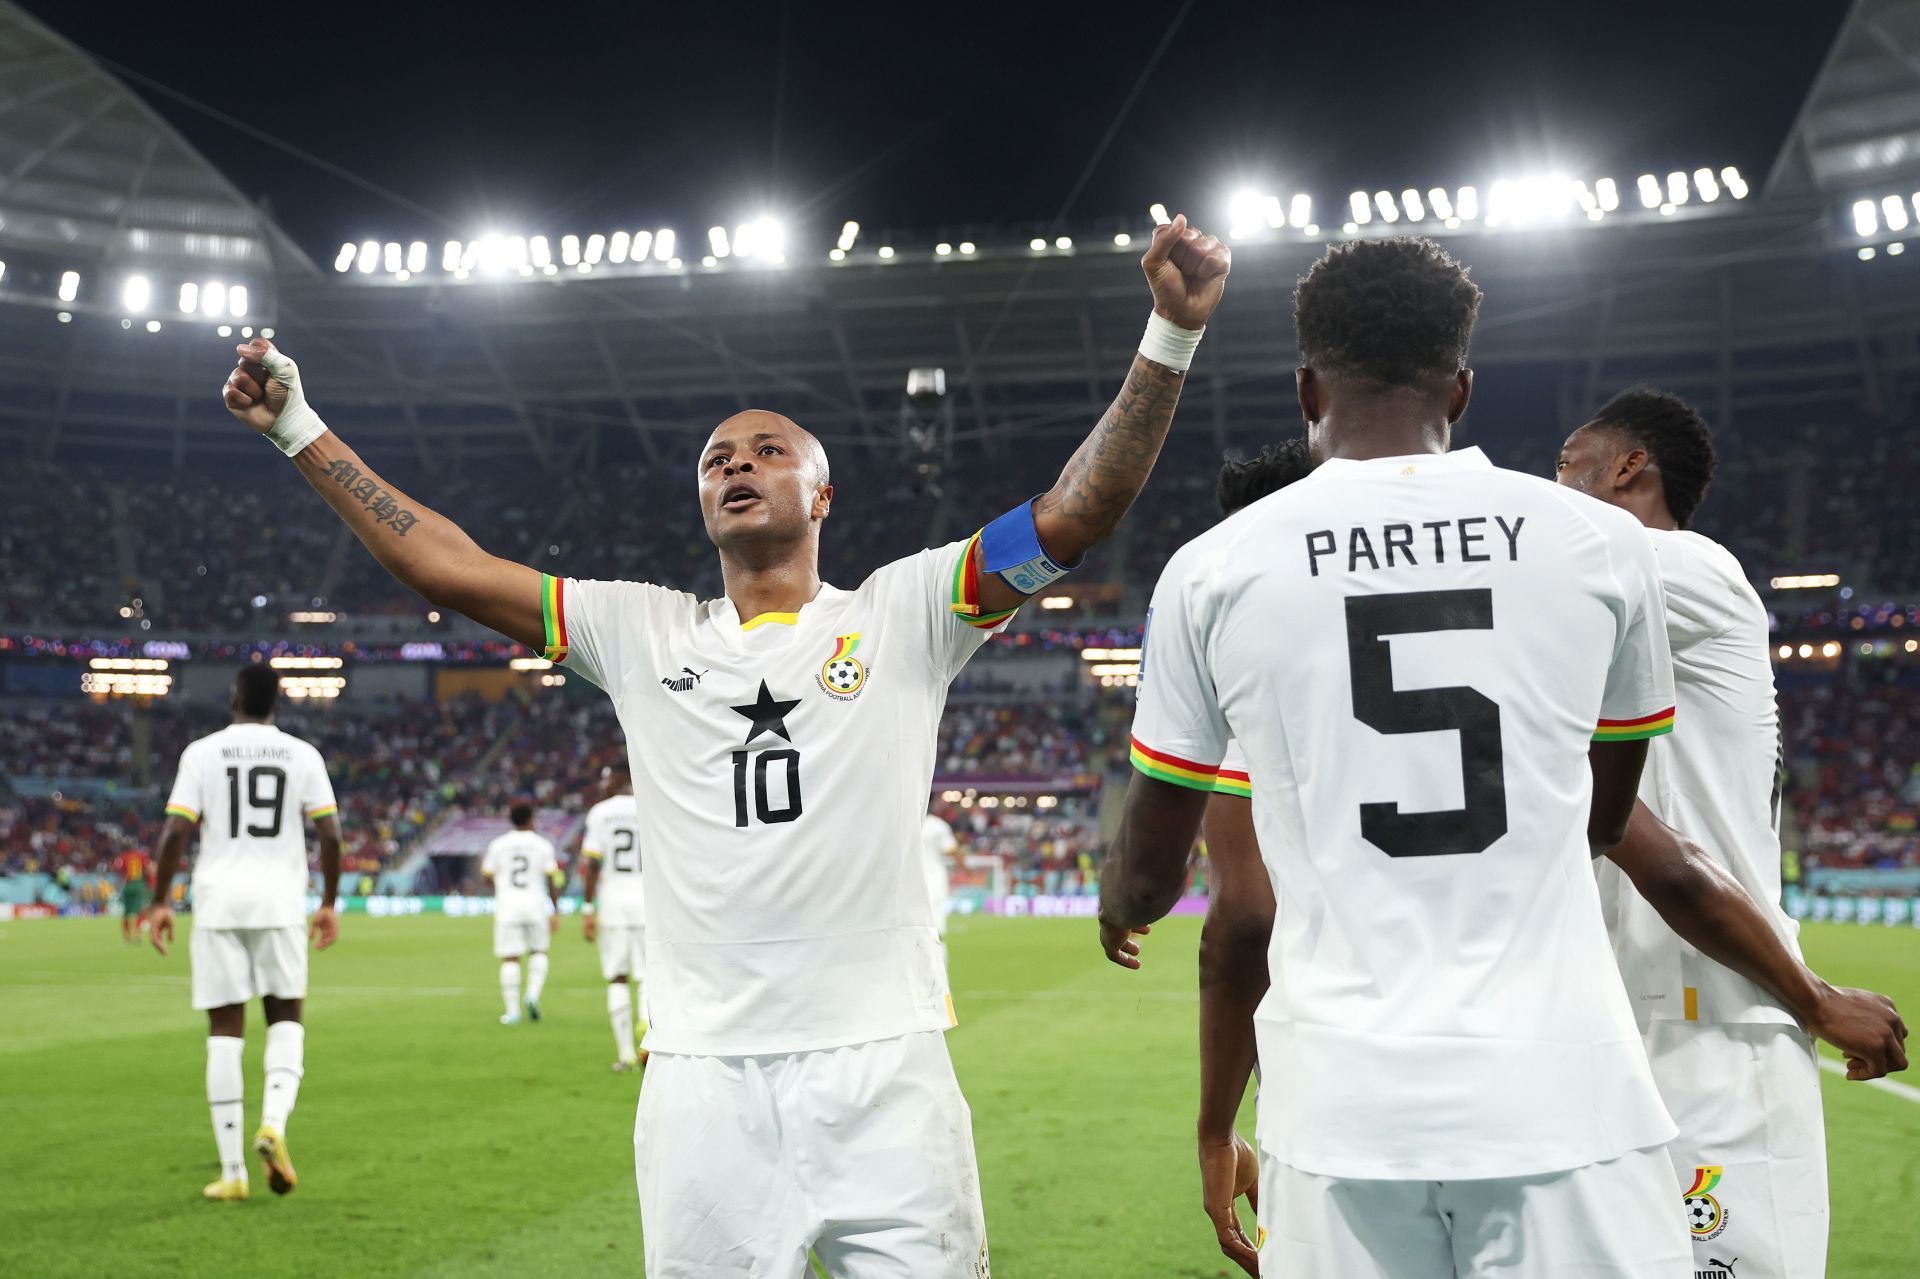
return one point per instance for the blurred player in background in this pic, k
(799, 1094)
(134, 868)
(1735, 1067)
(1416, 652)
(525, 875)
(248, 788)
(940, 847)
(613, 908)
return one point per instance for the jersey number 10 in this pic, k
(762, 807)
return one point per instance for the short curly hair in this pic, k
(1674, 435)
(1245, 480)
(1387, 313)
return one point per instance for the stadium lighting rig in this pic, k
(1882, 220)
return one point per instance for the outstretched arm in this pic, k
(1187, 272)
(427, 552)
(1709, 909)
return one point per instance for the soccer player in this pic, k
(248, 788)
(1417, 652)
(133, 867)
(525, 875)
(613, 907)
(799, 1092)
(1730, 1055)
(940, 847)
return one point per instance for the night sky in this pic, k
(585, 116)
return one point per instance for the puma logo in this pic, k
(685, 682)
(1716, 1269)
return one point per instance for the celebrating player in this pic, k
(613, 907)
(799, 1093)
(939, 846)
(1417, 652)
(247, 788)
(133, 867)
(525, 875)
(1729, 1054)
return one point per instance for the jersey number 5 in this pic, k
(261, 778)
(1475, 716)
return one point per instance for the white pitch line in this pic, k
(1906, 1092)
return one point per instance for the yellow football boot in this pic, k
(272, 1149)
(230, 1191)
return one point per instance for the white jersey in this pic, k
(612, 838)
(1416, 654)
(938, 844)
(520, 864)
(249, 786)
(781, 767)
(1715, 780)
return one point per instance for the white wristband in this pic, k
(298, 425)
(1169, 345)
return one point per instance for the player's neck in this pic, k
(249, 719)
(1651, 510)
(1358, 435)
(783, 581)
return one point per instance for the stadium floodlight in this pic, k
(1916, 204)
(1383, 201)
(516, 252)
(1442, 203)
(708, 260)
(1243, 212)
(1735, 184)
(3, 270)
(237, 301)
(1453, 223)
(886, 251)
(968, 248)
(1607, 191)
(1037, 244)
(1649, 191)
(1896, 249)
(539, 252)
(837, 254)
(1121, 239)
(942, 249)
(1362, 208)
(417, 256)
(596, 248)
(1666, 209)
(69, 285)
(763, 238)
(1158, 212)
(570, 250)
(1064, 242)
(65, 317)
(226, 331)
(642, 245)
(1350, 228)
(1300, 210)
(1587, 199)
(617, 245)
(1410, 200)
(1893, 211)
(1866, 253)
(213, 299)
(153, 326)
(849, 232)
(343, 260)
(663, 247)
(450, 256)
(1272, 213)
(390, 258)
(470, 256)
(1705, 186)
(136, 293)
(1311, 230)
(717, 241)
(1676, 188)
(1866, 217)
(1466, 203)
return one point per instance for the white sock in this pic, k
(286, 1063)
(510, 986)
(226, 1098)
(620, 1010)
(536, 974)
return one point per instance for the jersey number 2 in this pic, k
(625, 859)
(1475, 716)
(273, 801)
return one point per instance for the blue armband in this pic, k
(1010, 547)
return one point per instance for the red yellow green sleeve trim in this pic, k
(1633, 730)
(966, 590)
(182, 812)
(1171, 768)
(553, 612)
(592, 854)
(1229, 782)
(325, 810)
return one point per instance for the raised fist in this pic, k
(1187, 272)
(252, 393)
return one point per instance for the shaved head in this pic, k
(764, 484)
(750, 422)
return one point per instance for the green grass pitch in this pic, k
(433, 1141)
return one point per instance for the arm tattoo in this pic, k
(367, 491)
(1108, 470)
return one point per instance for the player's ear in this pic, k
(1307, 386)
(1630, 464)
(1462, 392)
(822, 501)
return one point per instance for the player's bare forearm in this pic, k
(328, 828)
(424, 550)
(1233, 980)
(1616, 768)
(1146, 865)
(590, 882)
(173, 848)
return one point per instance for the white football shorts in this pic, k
(1604, 1221)
(623, 952)
(238, 965)
(513, 938)
(863, 1154)
(1751, 1157)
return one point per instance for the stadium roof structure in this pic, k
(1859, 128)
(1764, 306)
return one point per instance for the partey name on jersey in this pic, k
(1392, 545)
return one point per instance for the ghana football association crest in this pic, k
(843, 675)
(1706, 1217)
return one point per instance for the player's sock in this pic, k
(226, 1098)
(510, 986)
(286, 1063)
(536, 975)
(620, 1011)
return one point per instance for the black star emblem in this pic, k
(768, 713)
